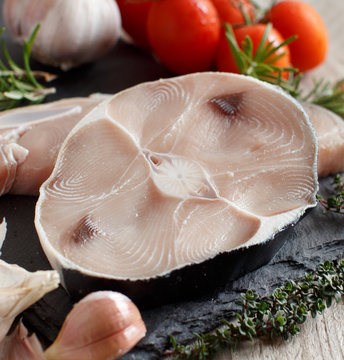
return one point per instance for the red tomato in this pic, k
(134, 19)
(184, 34)
(225, 59)
(231, 11)
(301, 19)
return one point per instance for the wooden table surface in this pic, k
(322, 337)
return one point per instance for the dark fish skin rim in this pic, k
(184, 284)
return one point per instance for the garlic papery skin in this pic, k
(3, 231)
(20, 346)
(19, 289)
(103, 326)
(71, 32)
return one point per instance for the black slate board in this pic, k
(315, 238)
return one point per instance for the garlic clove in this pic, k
(71, 33)
(104, 325)
(20, 288)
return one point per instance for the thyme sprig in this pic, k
(335, 202)
(19, 86)
(260, 66)
(277, 315)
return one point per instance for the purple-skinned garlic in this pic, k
(103, 325)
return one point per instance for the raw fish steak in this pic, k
(330, 131)
(174, 172)
(31, 137)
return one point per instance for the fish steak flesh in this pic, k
(174, 172)
(30, 139)
(329, 128)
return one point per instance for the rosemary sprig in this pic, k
(260, 66)
(327, 95)
(277, 315)
(19, 86)
(335, 202)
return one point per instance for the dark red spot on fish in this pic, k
(227, 105)
(85, 230)
(156, 161)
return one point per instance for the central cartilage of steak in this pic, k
(180, 177)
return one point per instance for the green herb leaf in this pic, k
(328, 96)
(260, 66)
(283, 312)
(335, 202)
(19, 86)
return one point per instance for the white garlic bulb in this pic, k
(72, 32)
